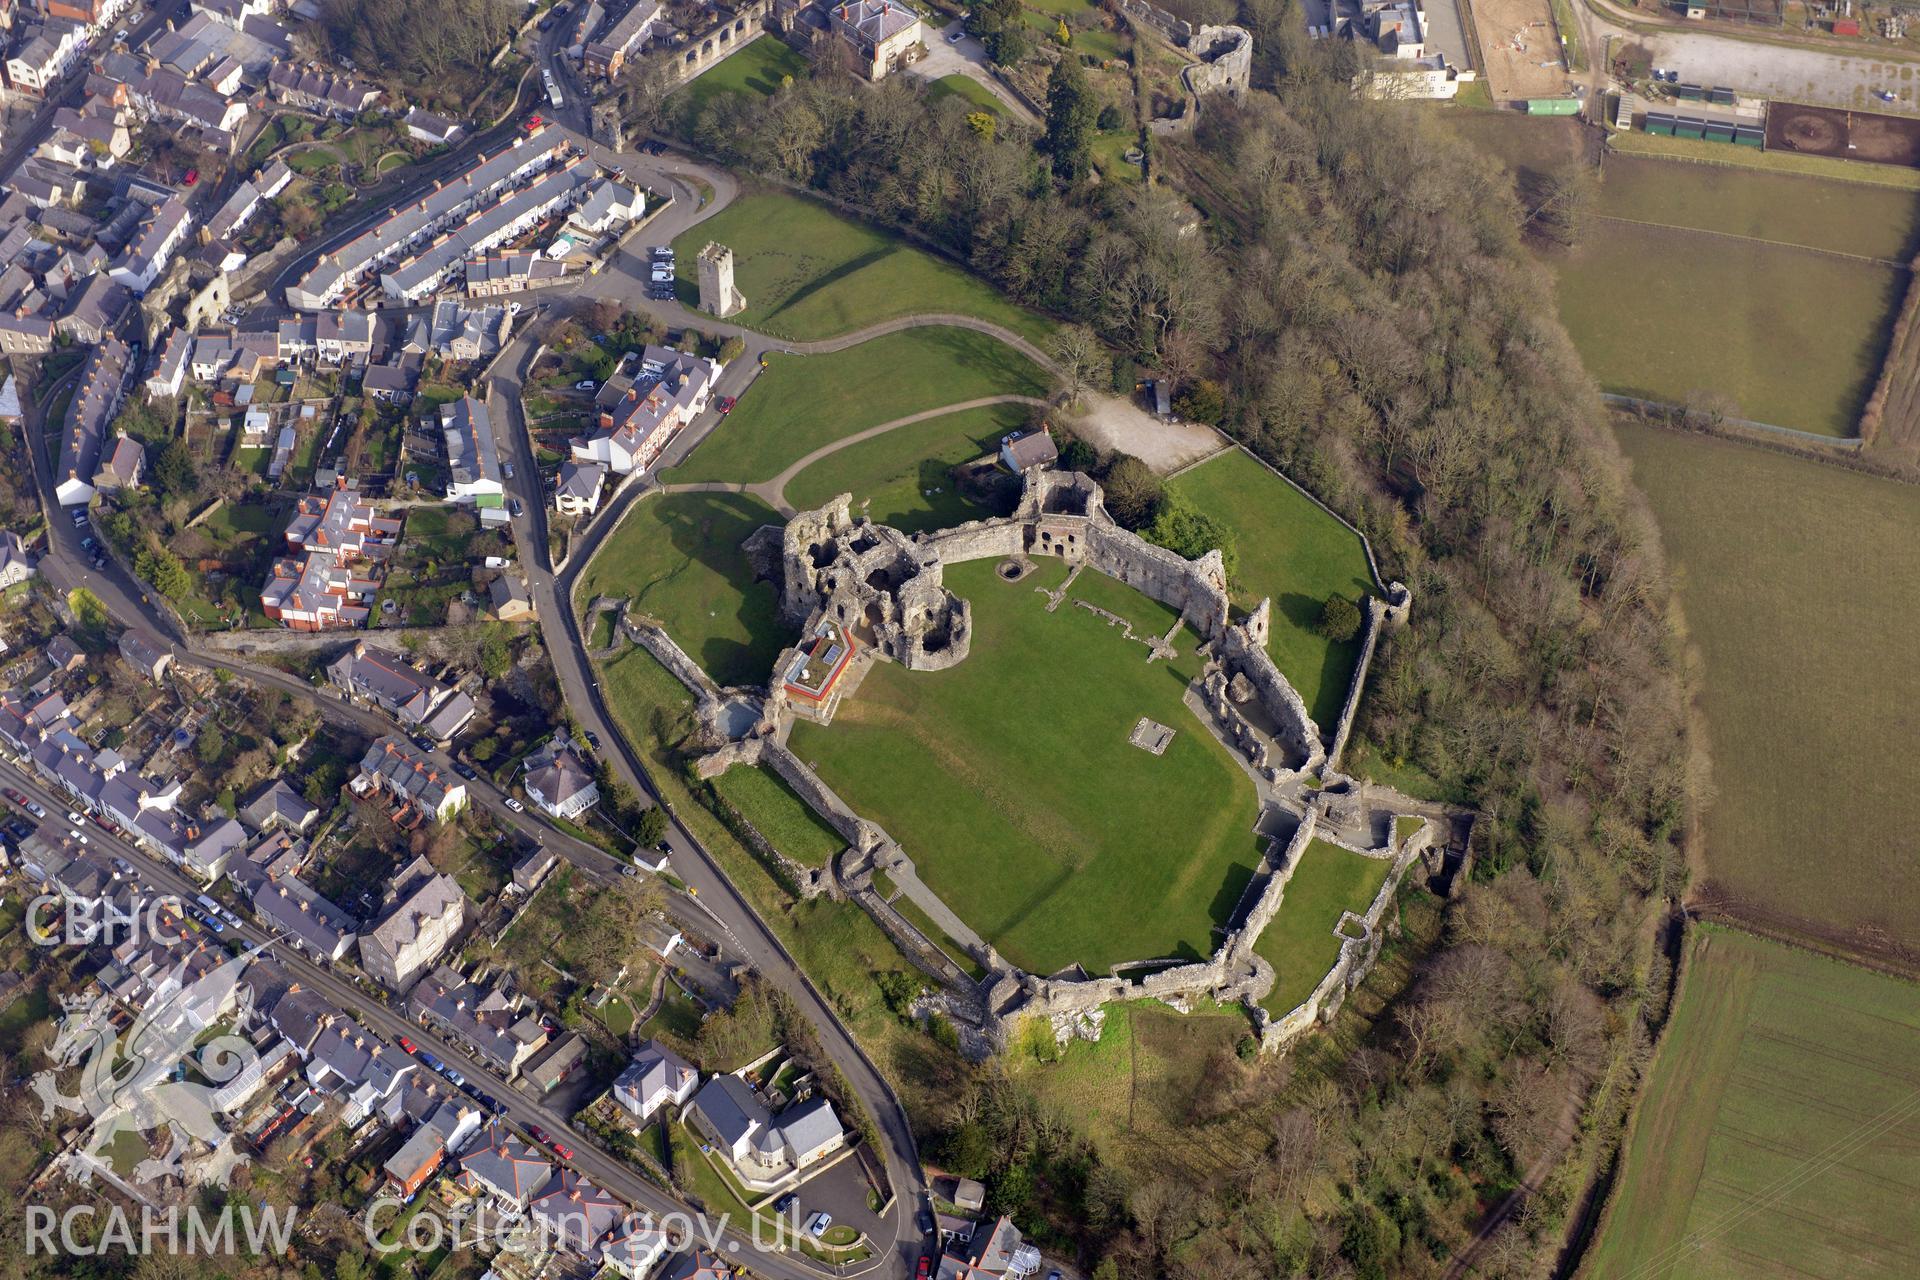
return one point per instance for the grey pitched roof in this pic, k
(730, 1107)
(810, 1125)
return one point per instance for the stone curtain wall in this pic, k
(654, 640)
(977, 540)
(1356, 954)
(1243, 654)
(1197, 588)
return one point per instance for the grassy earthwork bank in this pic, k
(755, 72)
(1295, 554)
(802, 403)
(902, 477)
(677, 556)
(1300, 943)
(1010, 780)
(809, 273)
(1776, 1134)
(1801, 591)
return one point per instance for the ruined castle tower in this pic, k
(717, 293)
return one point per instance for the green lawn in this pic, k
(1777, 1131)
(1794, 338)
(678, 559)
(976, 95)
(1300, 943)
(1295, 554)
(1801, 593)
(756, 70)
(1110, 155)
(902, 476)
(1056, 839)
(808, 272)
(803, 402)
(1878, 222)
(765, 800)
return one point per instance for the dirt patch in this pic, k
(1516, 38)
(1851, 135)
(1121, 426)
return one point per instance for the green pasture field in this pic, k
(756, 71)
(763, 798)
(903, 477)
(804, 402)
(976, 95)
(1876, 222)
(1053, 836)
(1296, 554)
(1801, 593)
(1300, 942)
(1795, 338)
(1722, 156)
(809, 273)
(678, 558)
(1775, 1138)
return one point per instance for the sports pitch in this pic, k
(1010, 782)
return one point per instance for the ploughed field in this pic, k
(1777, 1134)
(1010, 782)
(1801, 591)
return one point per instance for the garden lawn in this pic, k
(1300, 942)
(1010, 781)
(755, 71)
(809, 273)
(678, 558)
(804, 402)
(902, 476)
(1801, 591)
(966, 88)
(1295, 554)
(763, 798)
(1776, 1134)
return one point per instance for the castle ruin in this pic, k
(718, 296)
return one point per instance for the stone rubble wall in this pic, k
(1244, 655)
(1197, 589)
(1356, 954)
(656, 641)
(977, 540)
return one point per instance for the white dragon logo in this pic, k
(127, 1082)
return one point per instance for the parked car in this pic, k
(78, 834)
(459, 1081)
(593, 739)
(506, 470)
(514, 804)
(36, 810)
(73, 816)
(406, 1044)
(725, 405)
(562, 1150)
(818, 1224)
(924, 1269)
(956, 35)
(428, 1060)
(585, 384)
(464, 770)
(628, 871)
(14, 796)
(513, 505)
(539, 1134)
(784, 1203)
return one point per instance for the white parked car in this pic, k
(515, 805)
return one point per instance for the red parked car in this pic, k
(726, 404)
(562, 1150)
(926, 1265)
(539, 1134)
(193, 176)
(407, 1044)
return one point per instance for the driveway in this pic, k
(966, 58)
